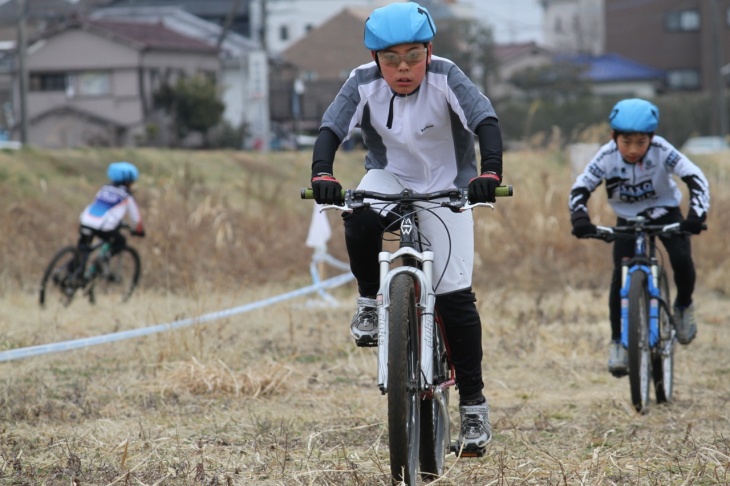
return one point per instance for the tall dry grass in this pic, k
(279, 395)
(225, 219)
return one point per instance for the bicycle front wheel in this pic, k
(435, 424)
(639, 351)
(663, 354)
(119, 277)
(61, 278)
(403, 380)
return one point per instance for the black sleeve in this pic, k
(323, 155)
(490, 146)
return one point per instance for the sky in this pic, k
(511, 20)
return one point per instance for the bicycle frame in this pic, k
(643, 261)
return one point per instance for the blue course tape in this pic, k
(13, 354)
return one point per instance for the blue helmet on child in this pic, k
(634, 115)
(122, 172)
(398, 23)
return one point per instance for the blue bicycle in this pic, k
(647, 325)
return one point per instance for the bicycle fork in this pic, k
(426, 302)
(627, 273)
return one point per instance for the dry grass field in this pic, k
(279, 395)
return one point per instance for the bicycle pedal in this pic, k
(469, 453)
(366, 343)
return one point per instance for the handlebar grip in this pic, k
(504, 191)
(309, 194)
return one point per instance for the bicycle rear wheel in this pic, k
(663, 353)
(639, 351)
(403, 381)
(435, 424)
(118, 277)
(61, 278)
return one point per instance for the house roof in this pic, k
(180, 21)
(147, 36)
(508, 52)
(613, 67)
(196, 7)
(333, 47)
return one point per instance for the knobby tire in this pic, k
(663, 354)
(639, 352)
(435, 438)
(57, 282)
(124, 270)
(403, 380)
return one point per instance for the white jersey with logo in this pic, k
(429, 144)
(632, 189)
(110, 206)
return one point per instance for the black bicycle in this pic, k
(647, 325)
(95, 272)
(414, 365)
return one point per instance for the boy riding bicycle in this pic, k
(418, 114)
(638, 166)
(113, 202)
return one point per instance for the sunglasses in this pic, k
(411, 57)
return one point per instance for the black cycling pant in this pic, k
(679, 250)
(115, 238)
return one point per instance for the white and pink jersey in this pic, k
(110, 206)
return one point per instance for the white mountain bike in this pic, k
(414, 366)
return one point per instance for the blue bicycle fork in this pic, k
(654, 296)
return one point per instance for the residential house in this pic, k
(92, 82)
(240, 16)
(289, 21)
(513, 58)
(244, 66)
(689, 39)
(574, 26)
(314, 68)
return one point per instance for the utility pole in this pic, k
(717, 69)
(22, 72)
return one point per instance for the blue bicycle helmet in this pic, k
(122, 172)
(634, 115)
(398, 23)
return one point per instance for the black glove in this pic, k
(482, 188)
(326, 189)
(693, 224)
(582, 227)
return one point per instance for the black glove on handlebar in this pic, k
(693, 224)
(482, 188)
(326, 189)
(582, 227)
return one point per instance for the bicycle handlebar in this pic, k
(458, 198)
(610, 233)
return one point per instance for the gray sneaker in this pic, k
(684, 321)
(476, 432)
(364, 324)
(618, 359)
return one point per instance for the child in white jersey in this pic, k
(638, 167)
(112, 204)
(418, 115)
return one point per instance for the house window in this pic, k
(283, 33)
(48, 81)
(688, 79)
(682, 21)
(94, 83)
